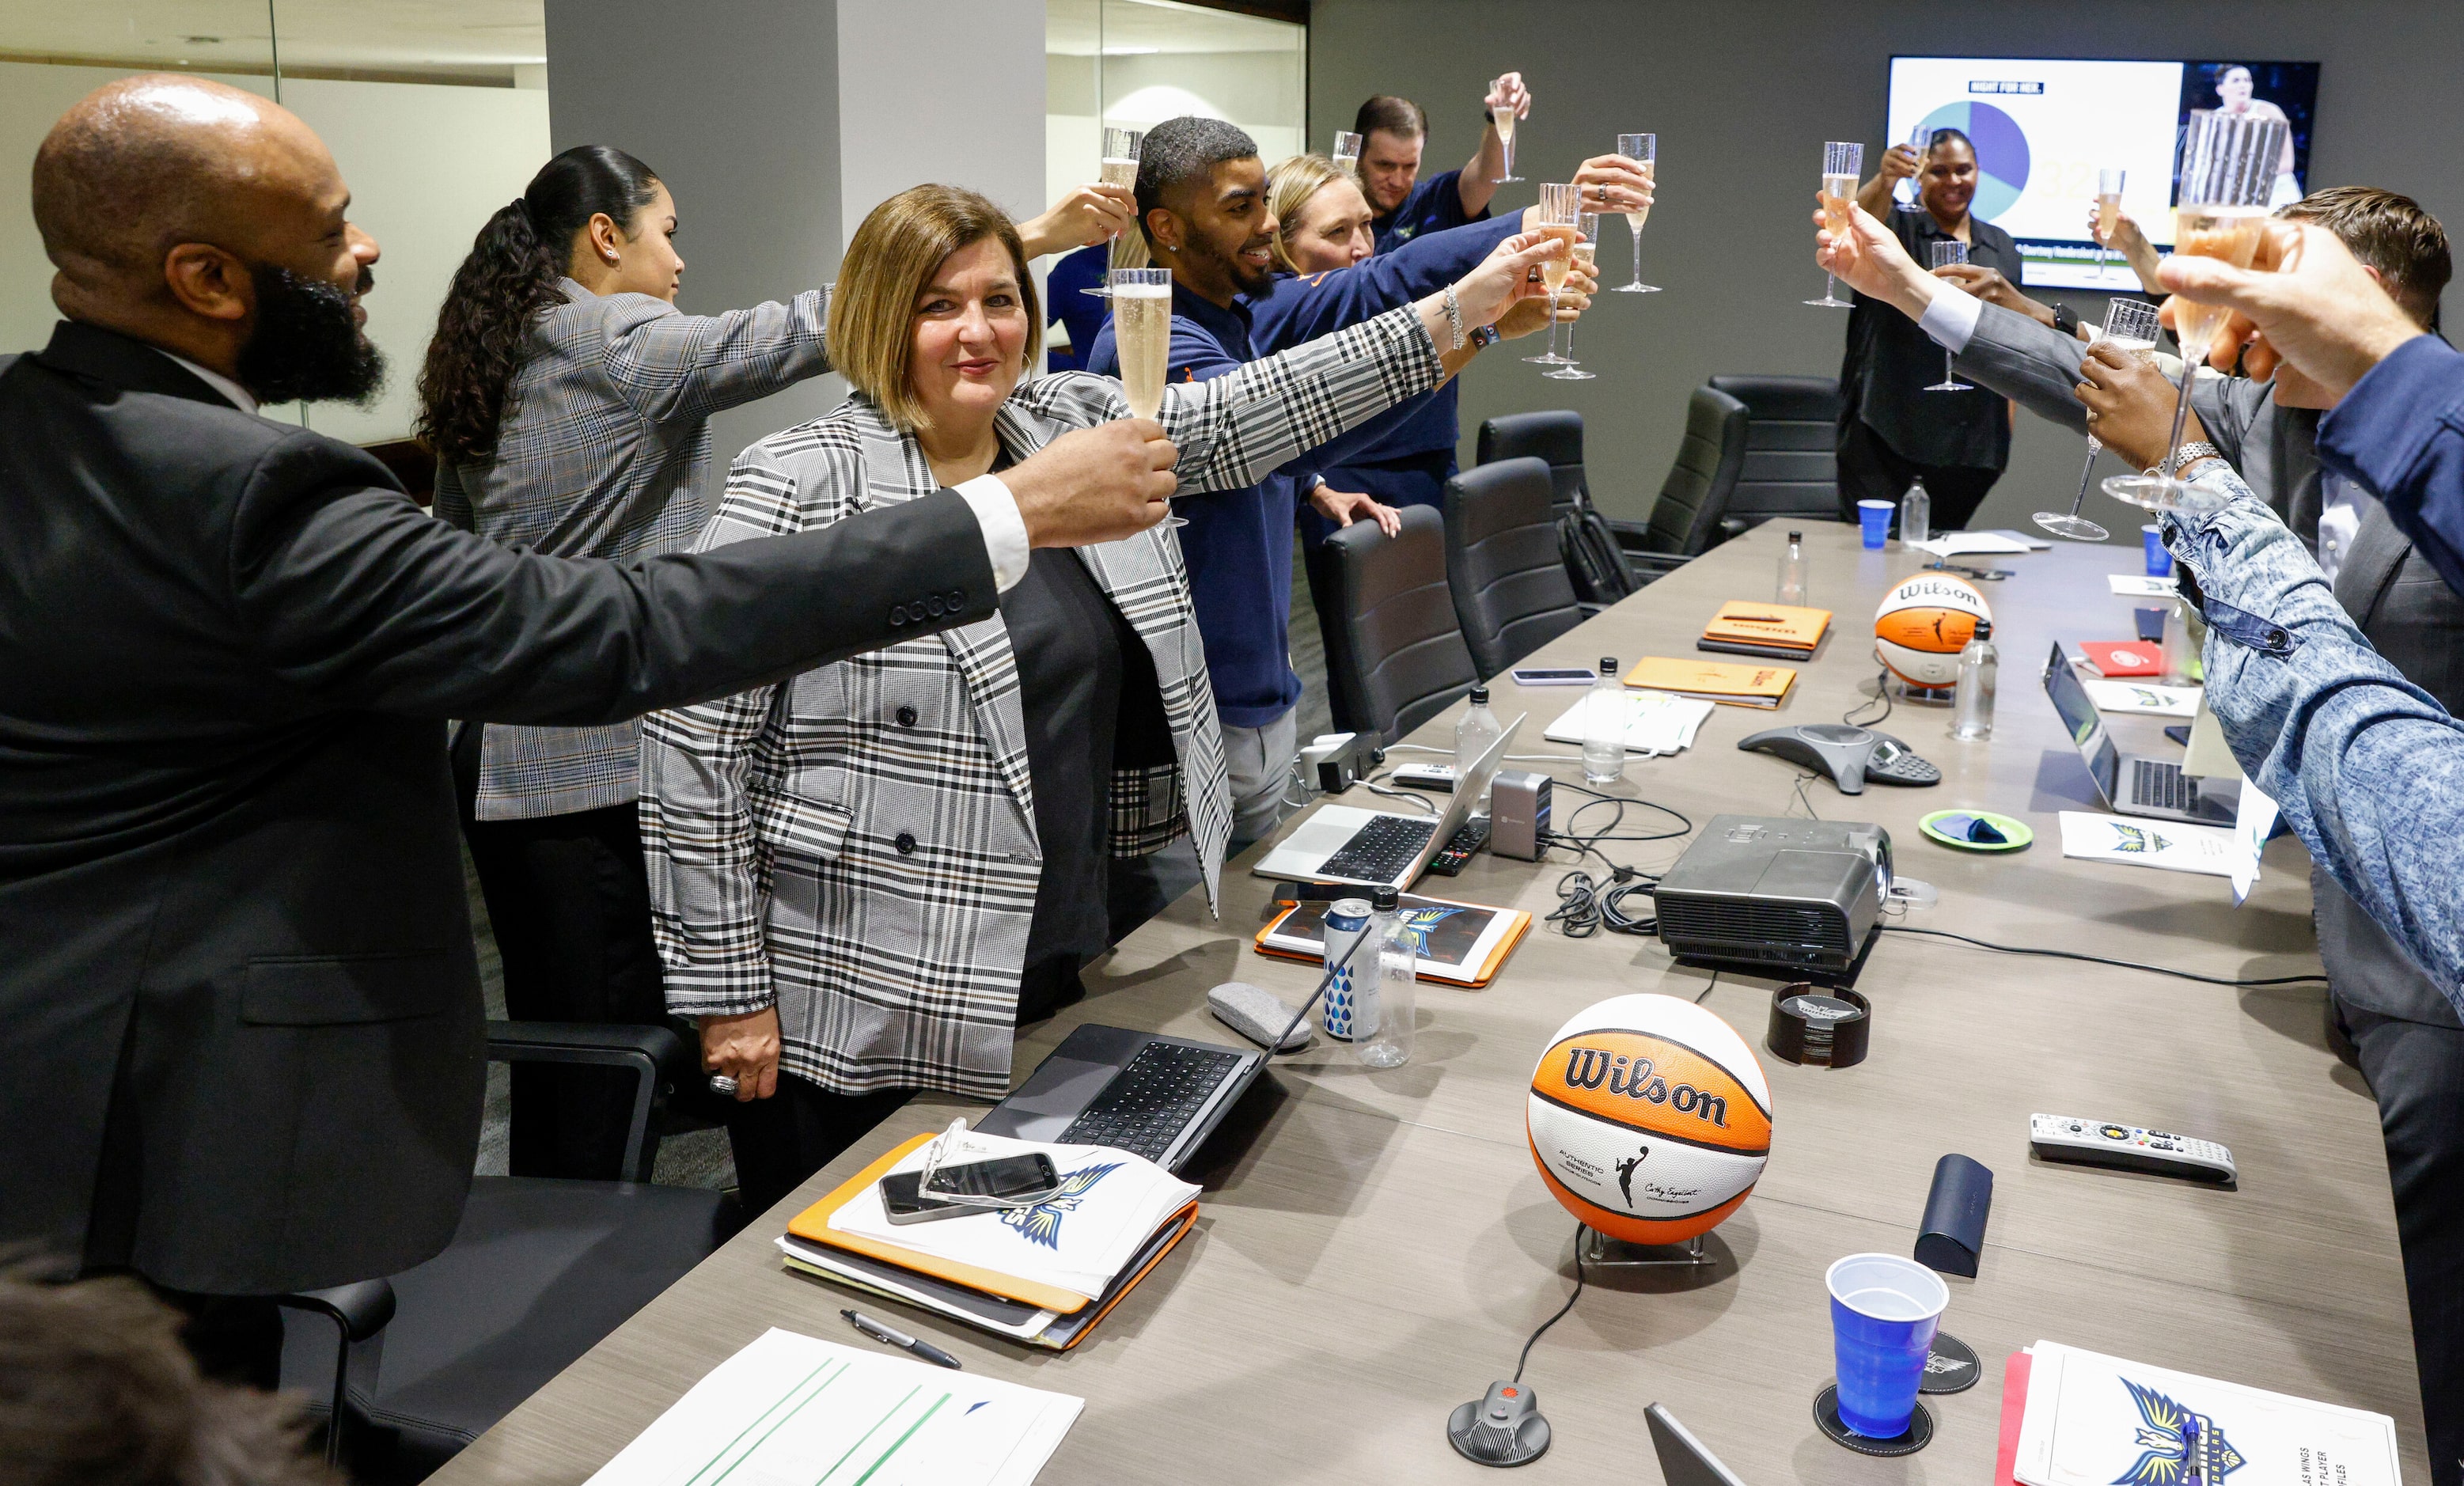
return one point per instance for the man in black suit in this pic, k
(240, 1027)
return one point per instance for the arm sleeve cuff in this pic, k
(2380, 431)
(1951, 319)
(995, 510)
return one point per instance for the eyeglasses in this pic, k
(952, 1148)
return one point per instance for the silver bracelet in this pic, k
(1453, 316)
(2192, 453)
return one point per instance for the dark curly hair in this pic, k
(483, 330)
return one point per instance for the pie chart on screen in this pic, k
(2001, 153)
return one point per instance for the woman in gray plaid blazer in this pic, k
(863, 878)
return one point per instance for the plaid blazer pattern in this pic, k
(602, 455)
(875, 878)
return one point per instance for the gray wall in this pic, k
(1743, 94)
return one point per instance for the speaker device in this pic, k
(1518, 813)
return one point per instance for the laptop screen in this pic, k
(1683, 1459)
(2080, 719)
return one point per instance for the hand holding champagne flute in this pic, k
(1508, 100)
(1586, 245)
(1560, 215)
(1142, 330)
(1643, 149)
(1842, 162)
(1120, 168)
(2129, 325)
(2108, 211)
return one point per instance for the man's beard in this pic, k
(1245, 278)
(305, 347)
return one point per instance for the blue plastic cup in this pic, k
(1874, 522)
(1883, 1312)
(2160, 562)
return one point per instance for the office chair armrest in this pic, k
(1649, 565)
(659, 1059)
(361, 1309)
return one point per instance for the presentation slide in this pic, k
(2044, 128)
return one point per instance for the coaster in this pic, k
(1951, 1367)
(1826, 1418)
(1949, 828)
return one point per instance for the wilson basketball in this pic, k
(1923, 625)
(1649, 1119)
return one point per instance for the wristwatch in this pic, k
(2066, 319)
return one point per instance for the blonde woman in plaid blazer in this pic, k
(858, 879)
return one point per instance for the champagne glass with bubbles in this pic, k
(1841, 164)
(2228, 169)
(1920, 143)
(2108, 212)
(1586, 248)
(1346, 153)
(1502, 119)
(1561, 217)
(1943, 255)
(2130, 324)
(1142, 332)
(1643, 149)
(1120, 168)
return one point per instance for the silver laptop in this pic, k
(1380, 848)
(2132, 784)
(1683, 1459)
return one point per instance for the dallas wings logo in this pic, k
(2176, 1447)
(2132, 839)
(1421, 923)
(1042, 1222)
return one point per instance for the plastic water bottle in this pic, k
(1792, 572)
(1972, 704)
(2177, 643)
(1386, 1001)
(1604, 720)
(1916, 514)
(1474, 734)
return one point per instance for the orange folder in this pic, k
(1714, 681)
(1782, 624)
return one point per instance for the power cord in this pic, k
(1391, 792)
(2098, 959)
(1535, 1336)
(1882, 694)
(1584, 907)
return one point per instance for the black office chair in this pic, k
(1394, 653)
(1503, 561)
(538, 1272)
(1554, 437)
(1685, 520)
(1792, 465)
(1594, 547)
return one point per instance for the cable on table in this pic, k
(1535, 1336)
(2098, 959)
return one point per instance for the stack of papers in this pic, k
(2144, 698)
(2137, 841)
(1961, 544)
(2091, 1420)
(2138, 586)
(1655, 722)
(789, 1407)
(1732, 686)
(1779, 631)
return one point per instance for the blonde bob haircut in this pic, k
(890, 262)
(1290, 186)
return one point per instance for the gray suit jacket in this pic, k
(2393, 594)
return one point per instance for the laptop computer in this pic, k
(1683, 1459)
(1157, 1096)
(2132, 784)
(1380, 848)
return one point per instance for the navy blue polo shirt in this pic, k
(1435, 204)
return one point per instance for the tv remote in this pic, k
(1451, 859)
(2129, 1146)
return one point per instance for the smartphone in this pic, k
(1011, 1178)
(1552, 676)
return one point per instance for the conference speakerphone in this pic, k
(2129, 1146)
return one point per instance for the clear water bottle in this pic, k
(1390, 992)
(1792, 572)
(1604, 722)
(1972, 704)
(2177, 643)
(1474, 734)
(1916, 514)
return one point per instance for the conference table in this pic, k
(1374, 1247)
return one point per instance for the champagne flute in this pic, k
(1346, 153)
(2108, 213)
(1943, 255)
(1120, 168)
(1142, 332)
(2228, 169)
(1586, 248)
(1644, 150)
(1920, 143)
(1561, 217)
(2131, 325)
(1502, 119)
(1841, 164)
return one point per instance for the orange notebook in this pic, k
(1782, 626)
(1461, 944)
(1714, 681)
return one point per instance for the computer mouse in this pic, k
(1502, 1427)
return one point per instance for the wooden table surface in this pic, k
(1374, 1247)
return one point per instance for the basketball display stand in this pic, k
(1598, 1248)
(1905, 691)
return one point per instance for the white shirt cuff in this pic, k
(1951, 319)
(995, 510)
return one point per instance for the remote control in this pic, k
(2102, 1143)
(1450, 860)
(1440, 777)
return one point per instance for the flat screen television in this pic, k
(2044, 127)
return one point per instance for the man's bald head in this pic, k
(142, 164)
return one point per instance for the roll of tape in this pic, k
(1818, 1025)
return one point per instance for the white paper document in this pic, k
(1961, 544)
(2138, 586)
(1109, 1204)
(2101, 1421)
(2141, 840)
(2254, 821)
(2142, 697)
(791, 1407)
(1655, 722)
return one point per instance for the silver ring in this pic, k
(721, 1084)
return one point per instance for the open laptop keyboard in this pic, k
(1148, 1102)
(2164, 785)
(1380, 850)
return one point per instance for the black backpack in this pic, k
(1594, 560)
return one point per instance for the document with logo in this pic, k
(1461, 944)
(793, 1407)
(2142, 840)
(2145, 698)
(1655, 722)
(2138, 586)
(2101, 1421)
